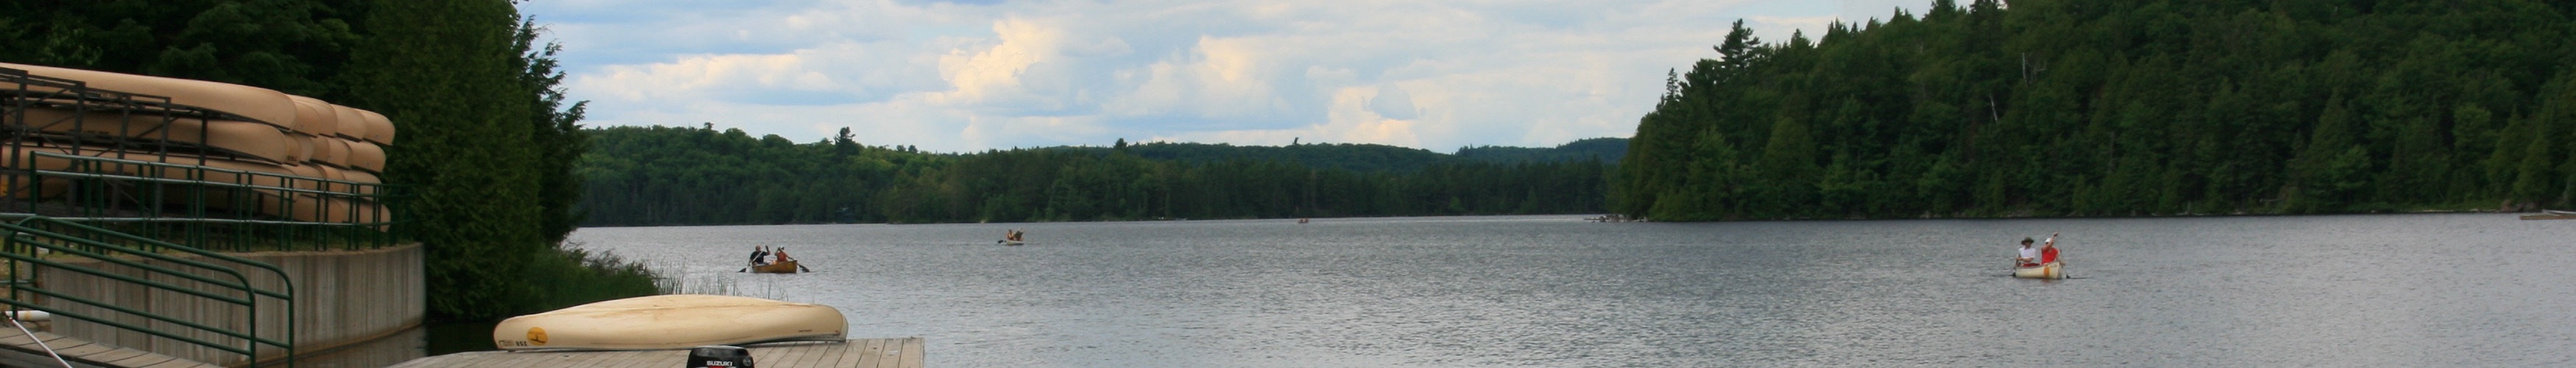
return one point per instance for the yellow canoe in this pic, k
(780, 267)
(2050, 271)
(671, 322)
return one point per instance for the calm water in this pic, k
(2393, 290)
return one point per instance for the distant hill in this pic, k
(1598, 149)
(1372, 157)
(635, 176)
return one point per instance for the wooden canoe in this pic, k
(351, 122)
(312, 114)
(364, 155)
(249, 139)
(379, 129)
(780, 267)
(671, 322)
(2050, 271)
(324, 149)
(259, 104)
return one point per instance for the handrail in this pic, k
(281, 272)
(24, 237)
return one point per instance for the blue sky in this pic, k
(984, 74)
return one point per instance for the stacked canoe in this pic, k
(293, 139)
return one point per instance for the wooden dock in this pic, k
(16, 349)
(859, 353)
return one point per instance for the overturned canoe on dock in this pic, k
(671, 322)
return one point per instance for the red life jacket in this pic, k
(2048, 254)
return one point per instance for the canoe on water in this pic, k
(780, 267)
(671, 322)
(2050, 271)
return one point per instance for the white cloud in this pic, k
(958, 77)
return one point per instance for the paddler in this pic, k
(2027, 254)
(2047, 252)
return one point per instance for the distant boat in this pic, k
(2049, 271)
(1012, 242)
(780, 267)
(671, 322)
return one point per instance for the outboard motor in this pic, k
(719, 356)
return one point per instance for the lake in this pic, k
(2361, 290)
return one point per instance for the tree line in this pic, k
(486, 141)
(702, 176)
(2112, 108)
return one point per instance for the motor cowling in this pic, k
(719, 356)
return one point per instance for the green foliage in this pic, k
(575, 276)
(556, 134)
(462, 111)
(699, 176)
(2054, 107)
(289, 45)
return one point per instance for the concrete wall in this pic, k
(341, 298)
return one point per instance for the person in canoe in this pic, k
(759, 255)
(782, 255)
(2027, 254)
(2048, 251)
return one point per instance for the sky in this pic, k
(972, 75)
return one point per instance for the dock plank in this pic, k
(914, 352)
(869, 353)
(648, 359)
(142, 360)
(785, 355)
(179, 363)
(892, 355)
(828, 356)
(109, 356)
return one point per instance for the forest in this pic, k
(2121, 108)
(702, 176)
(487, 139)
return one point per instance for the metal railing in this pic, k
(30, 239)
